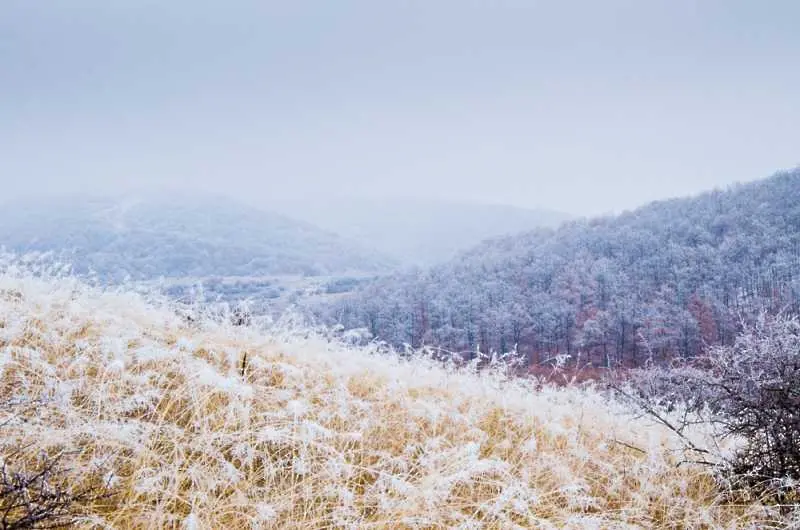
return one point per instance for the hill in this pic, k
(211, 426)
(665, 280)
(418, 231)
(178, 236)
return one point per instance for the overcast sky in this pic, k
(584, 107)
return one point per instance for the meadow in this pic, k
(207, 425)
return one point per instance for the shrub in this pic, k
(35, 497)
(751, 390)
(755, 385)
(34, 490)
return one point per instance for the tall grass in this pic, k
(211, 426)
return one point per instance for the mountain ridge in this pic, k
(186, 235)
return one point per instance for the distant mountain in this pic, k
(418, 231)
(668, 279)
(150, 236)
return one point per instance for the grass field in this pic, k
(213, 426)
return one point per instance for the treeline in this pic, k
(666, 280)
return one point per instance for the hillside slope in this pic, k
(419, 231)
(219, 427)
(666, 279)
(185, 235)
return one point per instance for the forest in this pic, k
(665, 281)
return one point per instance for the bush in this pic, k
(35, 498)
(750, 389)
(755, 386)
(34, 491)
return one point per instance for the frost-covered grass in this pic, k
(221, 427)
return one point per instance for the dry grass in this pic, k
(310, 434)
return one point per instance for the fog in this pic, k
(582, 107)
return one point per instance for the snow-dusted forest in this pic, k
(669, 279)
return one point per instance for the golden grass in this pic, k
(307, 433)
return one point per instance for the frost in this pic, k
(531, 446)
(297, 408)
(425, 446)
(271, 434)
(417, 521)
(185, 344)
(190, 523)
(266, 513)
(117, 365)
(207, 375)
(155, 354)
(244, 452)
(300, 466)
(232, 474)
(315, 431)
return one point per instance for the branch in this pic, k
(629, 446)
(661, 419)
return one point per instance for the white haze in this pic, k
(576, 106)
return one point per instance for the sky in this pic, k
(581, 106)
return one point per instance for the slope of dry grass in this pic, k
(219, 427)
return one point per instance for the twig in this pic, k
(629, 446)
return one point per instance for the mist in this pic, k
(571, 106)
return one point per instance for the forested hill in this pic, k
(664, 280)
(192, 235)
